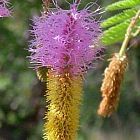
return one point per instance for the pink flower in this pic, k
(65, 40)
(4, 12)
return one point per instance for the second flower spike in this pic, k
(4, 11)
(110, 88)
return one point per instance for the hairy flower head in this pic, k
(65, 40)
(4, 12)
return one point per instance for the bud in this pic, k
(110, 88)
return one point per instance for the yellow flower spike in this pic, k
(64, 96)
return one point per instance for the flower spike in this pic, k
(4, 12)
(64, 47)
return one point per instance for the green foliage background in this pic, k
(117, 24)
(22, 102)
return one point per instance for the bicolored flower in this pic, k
(64, 46)
(4, 11)
(65, 39)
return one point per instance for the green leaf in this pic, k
(125, 15)
(115, 33)
(124, 4)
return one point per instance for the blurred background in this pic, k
(22, 104)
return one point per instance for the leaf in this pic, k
(125, 15)
(124, 4)
(118, 24)
(115, 33)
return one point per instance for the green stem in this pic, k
(136, 32)
(129, 33)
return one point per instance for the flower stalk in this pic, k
(129, 33)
